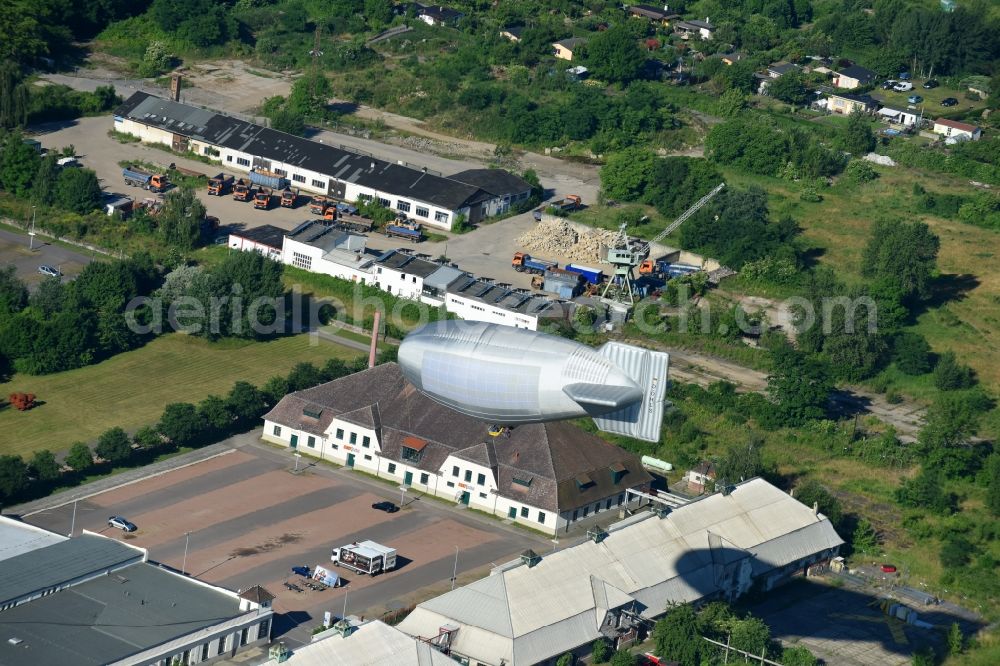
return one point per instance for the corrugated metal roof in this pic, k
(374, 643)
(17, 538)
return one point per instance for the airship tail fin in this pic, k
(648, 369)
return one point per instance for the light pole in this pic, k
(72, 525)
(31, 234)
(402, 495)
(454, 571)
(297, 456)
(187, 538)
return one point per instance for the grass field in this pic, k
(131, 389)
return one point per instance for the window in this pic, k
(541, 517)
(277, 431)
(229, 158)
(402, 276)
(222, 645)
(422, 212)
(522, 482)
(468, 476)
(204, 652)
(264, 628)
(280, 172)
(384, 202)
(621, 499)
(354, 438)
(410, 454)
(586, 511)
(340, 433)
(576, 512)
(334, 446)
(392, 468)
(312, 412)
(365, 197)
(441, 217)
(368, 457)
(451, 484)
(298, 178)
(607, 505)
(303, 261)
(403, 206)
(311, 442)
(454, 471)
(242, 161)
(208, 150)
(366, 441)
(482, 495)
(524, 512)
(318, 183)
(424, 478)
(244, 635)
(481, 480)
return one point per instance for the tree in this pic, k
(676, 636)
(627, 175)
(155, 60)
(614, 55)
(600, 651)
(798, 656)
(181, 423)
(286, 120)
(622, 658)
(335, 368)
(950, 375)
(310, 94)
(80, 458)
(245, 402)
(750, 634)
(304, 375)
(18, 164)
(13, 291)
(812, 493)
(865, 538)
(860, 171)
(275, 389)
(741, 462)
(249, 290)
(992, 473)
(955, 552)
(912, 353)
(13, 476)
(43, 466)
(568, 659)
(200, 22)
(758, 33)
(903, 256)
(147, 438)
(378, 13)
(214, 411)
(790, 88)
(857, 137)
(799, 384)
(114, 446)
(43, 188)
(925, 491)
(78, 190)
(182, 219)
(956, 640)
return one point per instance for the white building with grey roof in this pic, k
(718, 547)
(92, 600)
(370, 643)
(319, 247)
(312, 166)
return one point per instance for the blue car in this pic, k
(914, 99)
(904, 76)
(302, 571)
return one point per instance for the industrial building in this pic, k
(544, 476)
(312, 166)
(267, 240)
(319, 247)
(535, 609)
(352, 642)
(94, 600)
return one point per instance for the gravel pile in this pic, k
(558, 237)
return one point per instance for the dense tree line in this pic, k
(756, 145)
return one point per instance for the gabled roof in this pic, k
(267, 234)
(781, 68)
(954, 124)
(497, 182)
(550, 456)
(570, 43)
(257, 595)
(867, 100)
(440, 13)
(860, 73)
(373, 643)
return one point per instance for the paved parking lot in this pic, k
(245, 519)
(14, 249)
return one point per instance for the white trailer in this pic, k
(365, 557)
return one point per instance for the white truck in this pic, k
(366, 557)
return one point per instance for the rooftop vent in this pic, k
(662, 510)
(597, 534)
(530, 557)
(14, 641)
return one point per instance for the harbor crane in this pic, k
(626, 255)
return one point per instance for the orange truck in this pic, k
(220, 185)
(153, 182)
(242, 191)
(262, 199)
(319, 205)
(289, 198)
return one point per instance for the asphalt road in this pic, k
(242, 519)
(14, 249)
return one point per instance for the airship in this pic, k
(511, 376)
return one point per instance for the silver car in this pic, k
(48, 270)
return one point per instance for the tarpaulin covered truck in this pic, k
(272, 181)
(365, 557)
(153, 182)
(220, 184)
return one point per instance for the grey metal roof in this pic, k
(45, 568)
(110, 618)
(442, 277)
(17, 538)
(407, 263)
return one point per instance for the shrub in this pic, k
(860, 171)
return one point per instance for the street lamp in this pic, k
(72, 525)
(297, 456)
(31, 234)
(187, 538)
(454, 571)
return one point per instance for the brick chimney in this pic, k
(175, 87)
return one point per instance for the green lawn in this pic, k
(131, 389)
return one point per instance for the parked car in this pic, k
(904, 76)
(302, 571)
(903, 86)
(914, 99)
(48, 270)
(949, 101)
(888, 568)
(388, 507)
(931, 83)
(121, 523)
(889, 83)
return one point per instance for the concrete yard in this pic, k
(14, 250)
(244, 518)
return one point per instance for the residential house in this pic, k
(952, 129)
(312, 166)
(439, 15)
(898, 117)
(267, 240)
(853, 77)
(695, 28)
(701, 478)
(545, 476)
(532, 610)
(847, 104)
(730, 59)
(779, 69)
(93, 599)
(513, 32)
(318, 246)
(653, 14)
(566, 49)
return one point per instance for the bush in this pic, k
(911, 353)
(860, 171)
(950, 375)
